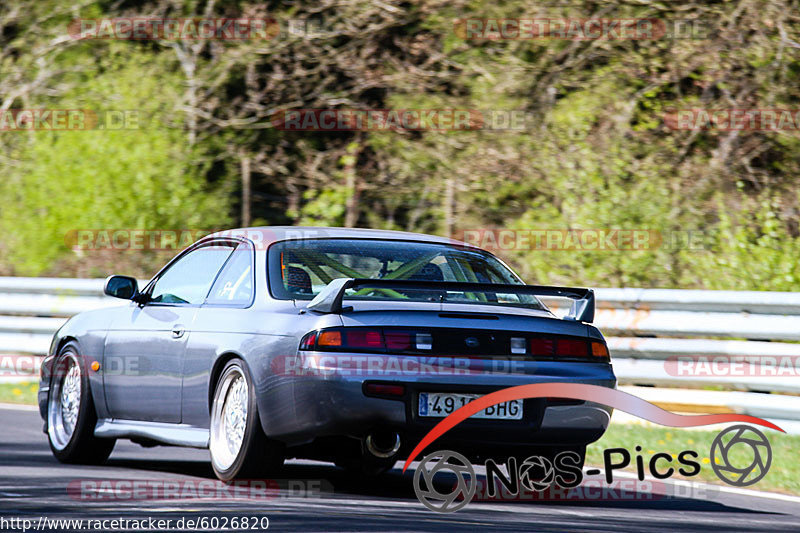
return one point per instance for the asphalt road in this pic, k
(33, 485)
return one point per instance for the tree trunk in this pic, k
(246, 191)
(449, 197)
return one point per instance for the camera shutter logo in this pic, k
(449, 462)
(737, 437)
(536, 473)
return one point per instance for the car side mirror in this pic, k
(124, 287)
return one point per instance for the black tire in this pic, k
(78, 446)
(257, 455)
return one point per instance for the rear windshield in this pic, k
(300, 269)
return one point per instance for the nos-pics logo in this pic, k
(538, 473)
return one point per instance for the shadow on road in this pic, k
(398, 486)
(34, 484)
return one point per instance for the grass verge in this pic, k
(24, 392)
(783, 475)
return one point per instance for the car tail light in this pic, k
(398, 340)
(599, 349)
(331, 337)
(308, 342)
(364, 338)
(367, 339)
(567, 348)
(572, 348)
(384, 389)
(401, 341)
(542, 347)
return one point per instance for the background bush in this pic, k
(597, 151)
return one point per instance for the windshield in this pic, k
(300, 269)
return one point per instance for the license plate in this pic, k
(436, 404)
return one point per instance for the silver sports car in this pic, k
(344, 345)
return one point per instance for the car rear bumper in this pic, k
(330, 400)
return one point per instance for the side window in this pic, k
(188, 280)
(235, 284)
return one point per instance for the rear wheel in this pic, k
(239, 449)
(71, 417)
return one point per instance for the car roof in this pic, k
(266, 235)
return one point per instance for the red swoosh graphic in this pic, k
(578, 391)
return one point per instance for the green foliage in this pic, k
(324, 207)
(750, 250)
(596, 150)
(139, 178)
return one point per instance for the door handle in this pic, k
(178, 331)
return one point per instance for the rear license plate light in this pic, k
(518, 345)
(424, 341)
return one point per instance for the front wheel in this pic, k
(71, 417)
(239, 449)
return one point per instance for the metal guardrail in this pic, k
(639, 323)
(32, 309)
(729, 337)
(727, 326)
(649, 330)
(646, 328)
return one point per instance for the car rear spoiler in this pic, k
(329, 300)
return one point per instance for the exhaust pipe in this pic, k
(383, 444)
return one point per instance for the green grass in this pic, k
(783, 476)
(19, 392)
